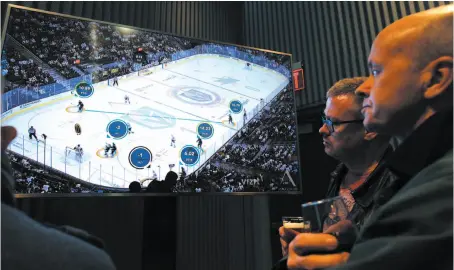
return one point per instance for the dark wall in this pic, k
(217, 21)
(188, 231)
(118, 221)
(332, 39)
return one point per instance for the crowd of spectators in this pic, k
(238, 154)
(257, 158)
(277, 159)
(24, 72)
(63, 42)
(33, 179)
(214, 178)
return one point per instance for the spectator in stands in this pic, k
(408, 96)
(32, 245)
(361, 173)
(135, 187)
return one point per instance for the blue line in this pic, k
(185, 119)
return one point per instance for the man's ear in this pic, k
(438, 77)
(369, 136)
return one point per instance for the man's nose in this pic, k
(363, 90)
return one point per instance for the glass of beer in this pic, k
(296, 223)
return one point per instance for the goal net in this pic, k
(73, 154)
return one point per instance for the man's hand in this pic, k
(286, 236)
(313, 242)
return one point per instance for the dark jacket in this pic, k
(414, 229)
(367, 196)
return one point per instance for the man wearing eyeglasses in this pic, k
(408, 95)
(358, 177)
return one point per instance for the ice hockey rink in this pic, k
(164, 101)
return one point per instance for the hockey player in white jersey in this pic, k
(127, 100)
(79, 152)
(107, 149)
(172, 141)
(129, 128)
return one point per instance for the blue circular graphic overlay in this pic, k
(117, 129)
(236, 106)
(140, 157)
(189, 155)
(205, 130)
(84, 90)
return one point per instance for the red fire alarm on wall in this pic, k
(298, 79)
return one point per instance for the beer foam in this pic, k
(300, 225)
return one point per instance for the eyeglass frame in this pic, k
(330, 124)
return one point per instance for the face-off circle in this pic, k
(117, 129)
(140, 157)
(84, 90)
(205, 130)
(236, 106)
(189, 155)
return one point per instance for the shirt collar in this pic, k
(427, 143)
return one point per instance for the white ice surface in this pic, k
(159, 108)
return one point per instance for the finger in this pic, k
(339, 227)
(316, 261)
(287, 234)
(304, 242)
(284, 247)
(8, 134)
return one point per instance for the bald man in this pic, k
(408, 96)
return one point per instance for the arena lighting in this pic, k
(125, 30)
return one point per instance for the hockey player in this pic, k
(199, 142)
(127, 100)
(115, 81)
(172, 141)
(244, 116)
(78, 151)
(78, 129)
(32, 133)
(106, 149)
(230, 119)
(129, 128)
(80, 105)
(80, 154)
(113, 149)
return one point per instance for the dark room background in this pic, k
(331, 39)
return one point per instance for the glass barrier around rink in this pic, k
(69, 162)
(19, 96)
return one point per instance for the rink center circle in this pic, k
(195, 95)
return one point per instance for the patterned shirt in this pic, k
(364, 200)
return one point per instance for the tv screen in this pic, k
(107, 105)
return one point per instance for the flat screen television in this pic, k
(111, 104)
